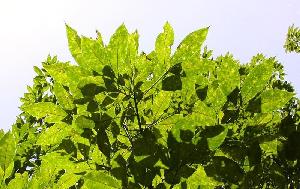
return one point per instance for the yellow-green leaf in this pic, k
(54, 135)
(52, 113)
(7, 151)
(163, 44)
(189, 49)
(100, 179)
(256, 80)
(274, 99)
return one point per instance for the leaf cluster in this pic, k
(292, 43)
(121, 118)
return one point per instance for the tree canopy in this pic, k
(121, 118)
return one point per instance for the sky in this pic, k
(32, 29)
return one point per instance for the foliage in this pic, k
(292, 43)
(125, 119)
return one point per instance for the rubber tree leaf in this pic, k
(189, 49)
(54, 135)
(100, 179)
(256, 80)
(166, 126)
(9, 170)
(157, 104)
(154, 66)
(7, 151)
(274, 99)
(52, 113)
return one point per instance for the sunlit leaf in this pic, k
(274, 99)
(51, 112)
(256, 80)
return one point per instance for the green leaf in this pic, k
(217, 140)
(38, 71)
(66, 74)
(228, 74)
(74, 43)
(54, 135)
(270, 147)
(7, 151)
(93, 55)
(189, 49)
(256, 80)
(199, 179)
(19, 182)
(63, 97)
(50, 111)
(184, 125)
(83, 122)
(274, 99)
(100, 179)
(215, 96)
(118, 51)
(163, 44)
(9, 170)
(1, 133)
(204, 115)
(67, 180)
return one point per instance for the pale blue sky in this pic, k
(32, 29)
